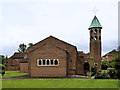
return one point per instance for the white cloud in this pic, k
(32, 22)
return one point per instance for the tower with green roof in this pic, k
(95, 42)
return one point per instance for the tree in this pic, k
(3, 60)
(105, 64)
(3, 63)
(118, 49)
(30, 44)
(2, 69)
(22, 48)
(116, 65)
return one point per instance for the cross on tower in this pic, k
(95, 10)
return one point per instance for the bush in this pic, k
(102, 75)
(104, 67)
(111, 72)
(105, 64)
(116, 65)
(2, 69)
(93, 70)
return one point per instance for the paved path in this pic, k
(27, 77)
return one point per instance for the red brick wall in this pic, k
(24, 67)
(95, 48)
(48, 52)
(72, 52)
(13, 65)
(109, 57)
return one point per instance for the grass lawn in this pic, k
(60, 83)
(13, 74)
(56, 83)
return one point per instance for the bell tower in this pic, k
(95, 43)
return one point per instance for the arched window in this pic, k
(40, 62)
(96, 64)
(43, 62)
(95, 31)
(56, 62)
(91, 31)
(99, 31)
(99, 37)
(95, 37)
(51, 62)
(47, 62)
(91, 38)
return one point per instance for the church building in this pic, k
(53, 57)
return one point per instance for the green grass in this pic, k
(56, 83)
(60, 83)
(13, 74)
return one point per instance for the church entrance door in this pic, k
(86, 68)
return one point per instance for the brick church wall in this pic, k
(72, 52)
(48, 52)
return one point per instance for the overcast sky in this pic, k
(30, 21)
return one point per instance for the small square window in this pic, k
(16, 59)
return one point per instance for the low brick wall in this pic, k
(24, 67)
(12, 68)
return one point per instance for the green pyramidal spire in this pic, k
(95, 23)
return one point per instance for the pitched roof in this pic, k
(111, 53)
(48, 38)
(24, 61)
(95, 23)
(18, 55)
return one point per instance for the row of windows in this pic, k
(48, 62)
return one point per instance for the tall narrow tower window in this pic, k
(99, 37)
(91, 38)
(99, 31)
(95, 38)
(95, 31)
(91, 31)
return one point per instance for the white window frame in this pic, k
(96, 63)
(54, 62)
(46, 62)
(16, 59)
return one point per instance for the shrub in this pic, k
(105, 64)
(102, 75)
(116, 65)
(111, 72)
(93, 70)
(2, 69)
